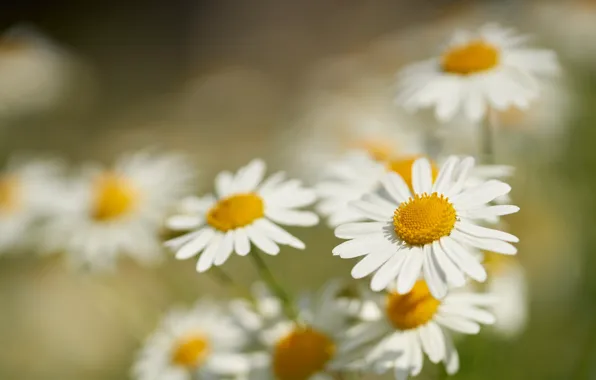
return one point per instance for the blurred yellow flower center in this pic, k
(411, 310)
(472, 58)
(191, 351)
(403, 167)
(8, 194)
(378, 150)
(424, 219)
(115, 197)
(236, 211)
(495, 263)
(301, 354)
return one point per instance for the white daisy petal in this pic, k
(355, 230)
(422, 178)
(461, 325)
(463, 259)
(370, 263)
(480, 195)
(225, 248)
(278, 234)
(177, 242)
(372, 211)
(433, 342)
(249, 177)
(453, 274)
(490, 211)
(396, 187)
(445, 176)
(410, 270)
(388, 272)
(360, 247)
(272, 182)
(471, 313)
(261, 241)
(208, 256)
(241, 242)
(183, 222)
(461, 176)
(196, 245)
(483, 232)
(416, 354)
(492, 245)
(434, 276)
(292, 217)
(223, 184)
(451, 356)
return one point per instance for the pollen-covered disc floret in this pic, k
(245, 211)
(429, 230)
(413, 325)
(236, 211)
(309, 347)
(424, 219)
(115, 196)
(489, 69)
(301, 354)
(411, 310)
(193, 343)
(470, 58)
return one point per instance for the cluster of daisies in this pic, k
(428, 231)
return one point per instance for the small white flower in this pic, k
(201, 342)
(477, 71)
(507, 282)
(110, 212)
(429, 230)
(309, 348)
(245, 210)
(414, 324)
(27, 188)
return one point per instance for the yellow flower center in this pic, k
(301, 354)
(191, 351)
(424, 219)
(236, 211)
(9, 201)
(495, 263)
(378, 150)
(411, 310)
(403, 167)
(114, 197)
(471, 58)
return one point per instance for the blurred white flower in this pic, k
(245, 210)
(310, 347)
(414, 324)
(35, 74)
(109, 212)
(477, 71)
(198, 343)
(27, 191)
(427, 229)
(508, 283)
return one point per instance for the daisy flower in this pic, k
(309, 348)
(113, 211)
(413, 324)
(489, 69)
(198, 343)
(27, 189)
(244, 211)
(428, 230)
(508, 283)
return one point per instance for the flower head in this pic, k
(429, 229)
(245, 210)
(477, 71)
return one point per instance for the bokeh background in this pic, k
(225, 81)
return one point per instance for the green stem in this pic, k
(224, 279)
(267, 276)
(586, 362)
(487, 150)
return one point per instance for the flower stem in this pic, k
(487, 149)
(224, 279)
(267, 276)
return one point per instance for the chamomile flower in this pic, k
(489, 69)
(413, 324)
(198, 343)
(309, 348)
(27, 189)
(427, 230)
(245, 211)
(118, 210)
(508, 283)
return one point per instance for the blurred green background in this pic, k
(225, 81)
